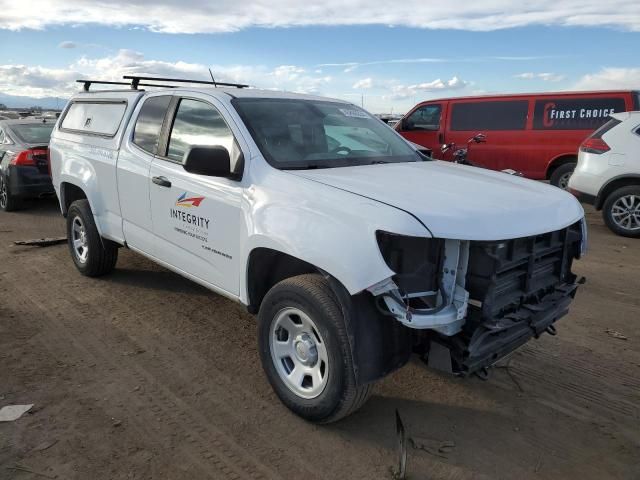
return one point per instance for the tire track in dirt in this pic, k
(217, 452)
(179, 372)
(226, 393)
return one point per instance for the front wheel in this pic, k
(92, 255)
(621, 211)
(561, 175)
(305, 350)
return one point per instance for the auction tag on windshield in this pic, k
(352, 112)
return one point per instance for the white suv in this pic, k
(354, 249)
(608, 173)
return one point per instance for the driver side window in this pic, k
(426, 117)
(200, 123)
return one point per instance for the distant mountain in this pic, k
(47, 103)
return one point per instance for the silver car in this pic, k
(24, 161)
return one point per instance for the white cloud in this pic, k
(351, 66)
(364, 83)
(205, 16)
(545, 76)
(67, 44)
(404, 91)
(37, 81)
(610, 79)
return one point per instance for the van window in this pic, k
(198, 123)
(146, 133)
(426, 117)
(98, 118)
(490, 115)
(575, 113)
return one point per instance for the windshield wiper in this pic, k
(310, 166)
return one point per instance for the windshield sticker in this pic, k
(352, 112)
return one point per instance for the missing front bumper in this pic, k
(495, 339)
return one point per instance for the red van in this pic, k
(537, 134)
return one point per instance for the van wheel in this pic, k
(92, 255)
(305, 350)
(561, 175)
(8, 202)
(621, 211)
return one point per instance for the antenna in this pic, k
(212, 79)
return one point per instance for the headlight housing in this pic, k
(416, 261)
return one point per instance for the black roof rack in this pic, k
(87, 84)
(135, 82)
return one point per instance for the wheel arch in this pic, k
(265, 268)
(69, 193)
(561, 159)
(614, 184)
(379, 344)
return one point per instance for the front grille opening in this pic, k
(506, 274)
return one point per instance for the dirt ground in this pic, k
(143, 374)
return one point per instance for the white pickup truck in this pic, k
(354, 249)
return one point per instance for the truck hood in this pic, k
(456, 201)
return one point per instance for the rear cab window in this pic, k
(94, 117)
(146, 133)
(489, 115)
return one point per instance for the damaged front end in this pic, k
(473, 302)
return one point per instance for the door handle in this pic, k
(162, 181)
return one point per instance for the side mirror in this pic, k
(405, 124)
(212, 161)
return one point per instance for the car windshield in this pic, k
(33, 132)
(303, 134)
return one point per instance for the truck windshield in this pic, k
(304, 134)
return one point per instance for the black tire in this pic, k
(611, 201)
(341, 395)
(8, 202)
(559, 176)
(101, 255)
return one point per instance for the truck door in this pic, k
(425, 126)
(134, 162)
(196, 218)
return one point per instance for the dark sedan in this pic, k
(24, 162)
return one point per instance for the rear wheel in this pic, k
(621, 211)
(8, 202)
(92, 255)
(561, 175)
(305, 350)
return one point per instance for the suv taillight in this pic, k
(594, 145)
(27, 158)
(594, 142)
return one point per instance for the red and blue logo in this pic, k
(183, 201)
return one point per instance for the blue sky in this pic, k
(500, 49)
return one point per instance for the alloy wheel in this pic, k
(79, 240)
(4, 195)
(625, 212)
(563, 181)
